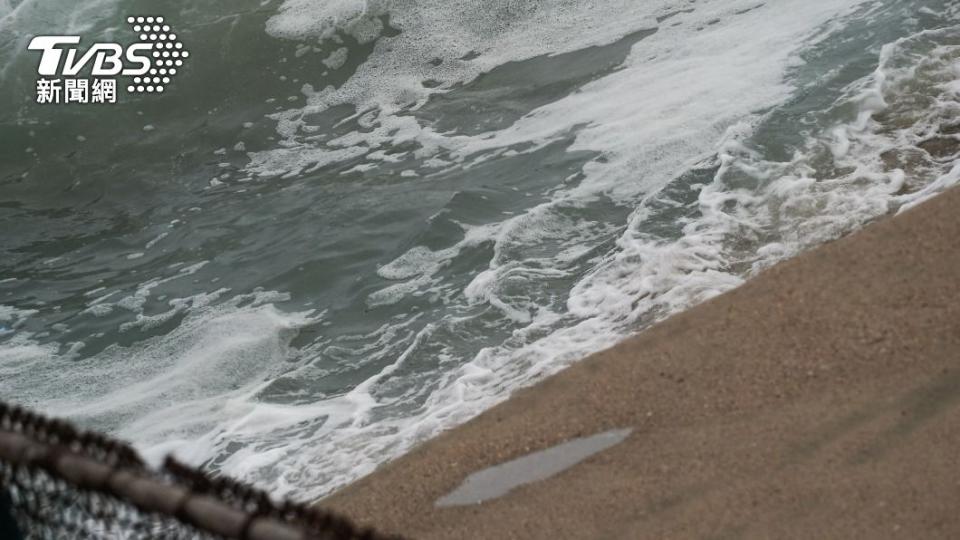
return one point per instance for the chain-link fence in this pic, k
(57, 482)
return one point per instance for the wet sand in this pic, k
(819, 400)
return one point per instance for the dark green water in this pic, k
(349, 225)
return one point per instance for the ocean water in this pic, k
(349, 225)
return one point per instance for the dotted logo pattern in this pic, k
(168, 54)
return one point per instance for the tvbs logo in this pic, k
(151, 63)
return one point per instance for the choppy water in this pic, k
(351, 224)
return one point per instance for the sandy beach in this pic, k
(819, 400)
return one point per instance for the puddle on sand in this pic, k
(496, 481)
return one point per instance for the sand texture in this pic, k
(819, 400)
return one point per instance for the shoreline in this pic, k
(820, 398)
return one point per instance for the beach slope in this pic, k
(820, 399)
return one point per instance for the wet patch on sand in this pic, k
(498, 480)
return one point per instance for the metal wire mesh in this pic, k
(58, 482)
(46, 507)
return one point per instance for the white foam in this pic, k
(738, 65)
(172, 392)
(10, 314)
(683, 93)
(691, 90)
